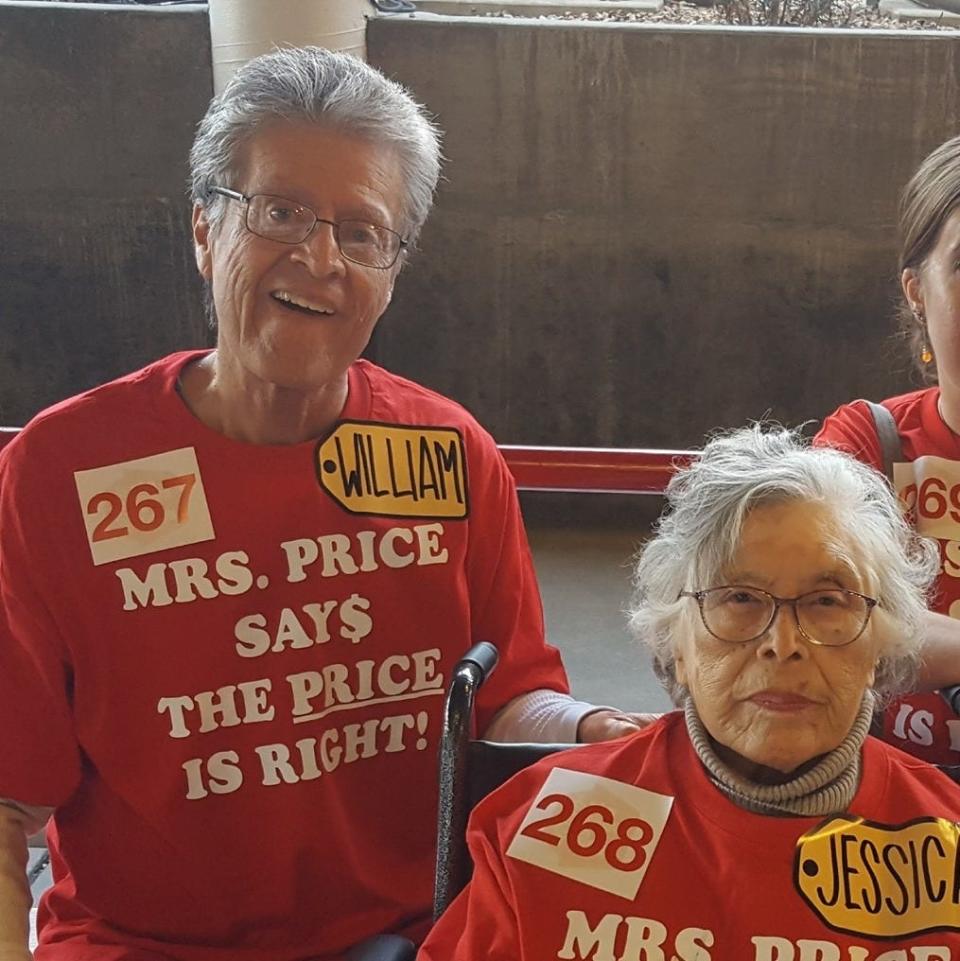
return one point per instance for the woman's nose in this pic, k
(784, 639)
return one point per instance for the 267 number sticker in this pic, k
(592, 829)
(144, 505)
(141, 509)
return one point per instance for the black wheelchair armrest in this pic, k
(382, 947)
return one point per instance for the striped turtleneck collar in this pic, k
(826, 788)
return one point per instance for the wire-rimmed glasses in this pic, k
(289, 222)
(739, 614)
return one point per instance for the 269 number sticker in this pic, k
(929, 490)
(592, 829)
(144, 505)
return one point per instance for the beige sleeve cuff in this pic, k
(545, 717)
(16, 822)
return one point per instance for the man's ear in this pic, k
(201, 242)
(912, 289)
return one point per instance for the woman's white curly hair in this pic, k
(707, 503)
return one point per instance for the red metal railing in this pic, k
(601, 470)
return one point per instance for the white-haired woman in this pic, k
(234, 582)
(780, 596)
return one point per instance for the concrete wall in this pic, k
(97, 109)
(644, 233)
(649, 232)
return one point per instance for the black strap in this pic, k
(888, 435)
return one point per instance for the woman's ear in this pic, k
(680, 667)
(912, 289)
(201, 242)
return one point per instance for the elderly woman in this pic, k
(234, 582)
(922, 452)
(780, 597)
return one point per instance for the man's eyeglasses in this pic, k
(289, 222)
(738, 614)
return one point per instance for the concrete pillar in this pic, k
(243, 29)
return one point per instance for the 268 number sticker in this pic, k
(588, 832)
(593, 830)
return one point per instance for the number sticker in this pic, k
(593, 830)
(145, 505)
(929, 490)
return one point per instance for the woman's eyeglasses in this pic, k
(738, 614)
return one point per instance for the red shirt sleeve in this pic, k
(505, 600)
(39, 753)
(851, 428)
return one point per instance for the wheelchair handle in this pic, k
(485, 657)
(453, 809)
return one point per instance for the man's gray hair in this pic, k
(333, 90)
(707, 503)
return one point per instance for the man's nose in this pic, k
(320, 250)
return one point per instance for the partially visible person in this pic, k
(233, 584)
(926, 472)
(782, 593)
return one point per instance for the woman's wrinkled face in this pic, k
(780, 701)
(934, 289)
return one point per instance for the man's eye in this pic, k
(361, 234)
(281, 215)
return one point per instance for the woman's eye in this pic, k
(741, 597)
(833, 599)
(280, 214)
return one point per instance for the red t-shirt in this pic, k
(927, 480)
(625, 850)
(223, 664)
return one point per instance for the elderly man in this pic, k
(234, 582)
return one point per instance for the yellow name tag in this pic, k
(395, 471)
(592, 829)
(879, 880)
(144, 505)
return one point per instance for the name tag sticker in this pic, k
(882, 880)
(592, 829)
(144, 505)
(929, 489)
(395, 471)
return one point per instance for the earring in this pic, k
(926, 355)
